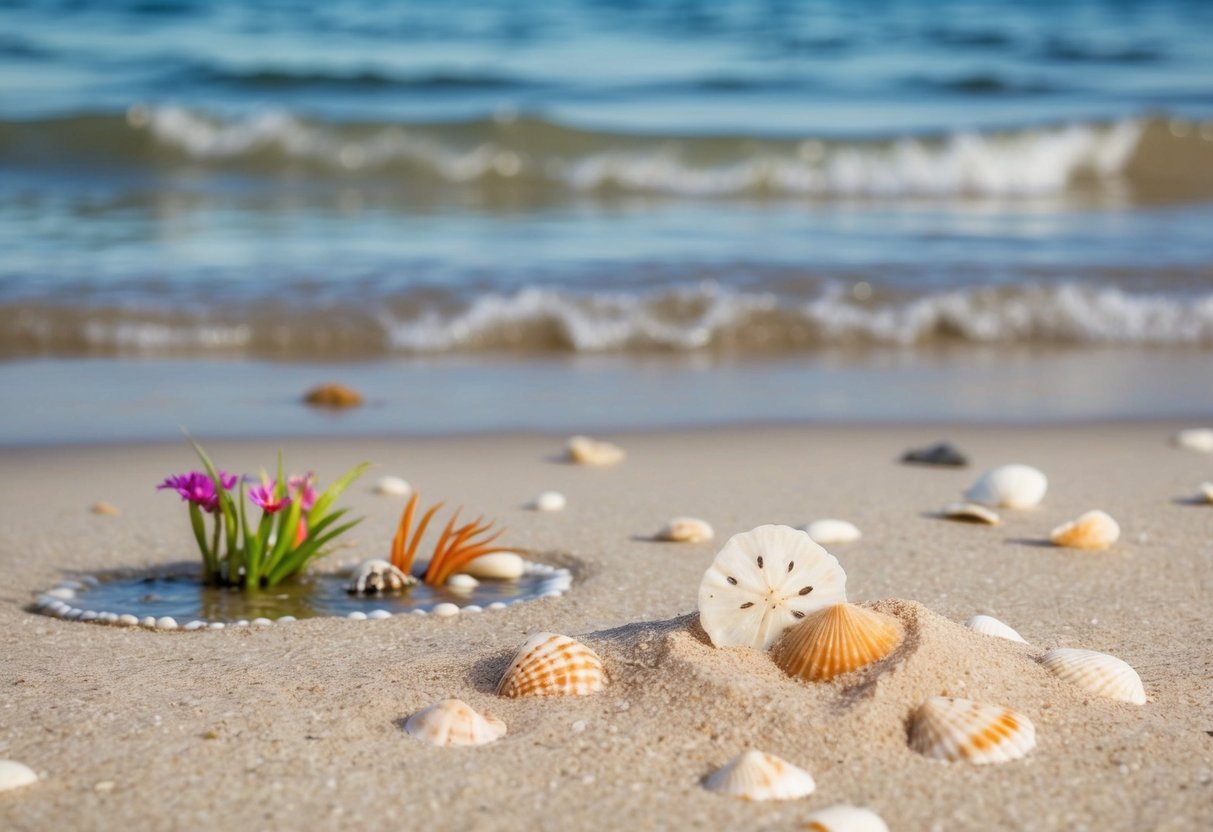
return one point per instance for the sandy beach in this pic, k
(300, 725)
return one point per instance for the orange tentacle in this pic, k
(421, 527)
(402, 533)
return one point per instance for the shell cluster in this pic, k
(1094, 530)
(1009, 486)
(756, 775)
(686, 530)
(830, 531)
(586, 451)
(837, 640)
(945, 728)
(454, 722)
(1098, 673)
(549, 664)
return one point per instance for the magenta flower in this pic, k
(302, 489)
(265, 498)
(198, 488)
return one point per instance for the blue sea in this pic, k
(580, 214)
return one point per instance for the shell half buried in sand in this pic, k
(837, 640)
(756, 775)
(1097, 672)
(764, 581)
(944, 728)
(14, 775)
(685, 530)
(549, 664)
(971, 513)
(988, 625)
(830, 531)
(1009, 486)
(586, 451)
(1093, 530)
(844, 818)
(454, 722)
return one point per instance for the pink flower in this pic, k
(198, 488)
(265, 498)
(302, 489)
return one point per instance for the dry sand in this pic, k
(299, 726)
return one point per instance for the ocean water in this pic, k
(507, 202)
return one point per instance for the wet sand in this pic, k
(300, 725)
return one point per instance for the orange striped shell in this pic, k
(975, 732)
(552, 665)
(837, 640)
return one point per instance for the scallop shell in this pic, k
(454, 722)
(756, 775)
(1010, 486)
(686, 530)
(549, 501)
(837, 640)
(844, 818)
(1093, 530)
(552, 665)
(830, 531)
(960, 729)
(764, 581)
(1196, 439)
(971, 513)
(14, 775)
(1097, 672)
(586, 451)
(989, 626)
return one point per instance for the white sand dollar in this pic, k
(1009, 486)
(14, 775)
(830, 530)
(756, 775)
(764, 581)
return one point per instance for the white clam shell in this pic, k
(392, 487)
(14, 775)
(496, 566)
(1096, 672)
(686, 530)
(1009, 486)
(844, 818)
(454, 722)
(549, 501)
(756, 775)
(972, 513)
(764, 581)
(1206, 490)
(549, 664)
(987, 625)
(944, 728)
(830, 530)
(586, 451)
(1195, 439)
(1092, 530)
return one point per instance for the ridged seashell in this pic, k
(549, 501)
(1206, 489)
(959, 729)
(844, 818)
(1097, 672)
(1009, 486)
(987, 625)
(1196, 439)
(764, 581)
(454, 722)
(1093, 530)
(756, 775)
(837, 640)
(377, 575)
(830, 531)
(971, 513)
(586, 451)
(14, 775)
(686, 530)
(392, 487)
(500, 566)
(548, 664)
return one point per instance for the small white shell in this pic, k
(454, 722)
(392, 487)
(971, 513)
(166, 623)
(462, 581)
(1206, 490)
(378, 575)
(756, 775)
(989, 626)
(1009, 486)
(830, 531)
(496, 566)
(586, 451)
(1196, 439)
(445, 610)
(1093, 530)
(148, 621)
(1097, 672)
(14, 775)
(944, 728)
(549, 501)
(844, 818)
(686, 530)
(128, 620)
